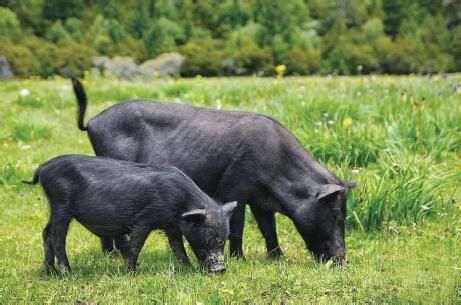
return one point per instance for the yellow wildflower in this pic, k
(347, 122)
(280, 69)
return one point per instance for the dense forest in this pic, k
(235, 37)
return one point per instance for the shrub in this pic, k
(74, 57)
(396, 57)
(250, 58)
(9, 24)
(21, 58)
(45, 53)
(201, 58)
(302, 62)
(56, 32)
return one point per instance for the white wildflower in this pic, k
(24, 92)
(355, 171)
(330, 122)
(325, 114)
(318, 123)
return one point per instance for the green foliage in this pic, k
(456, 46)
(300, 62)
(9, 24)
(311, 36)
(56, 32)
(20, 57)
(251, 58)
(201, 59)
(74, 57)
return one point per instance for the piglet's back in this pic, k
(82, 176)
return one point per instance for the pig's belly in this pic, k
(106, 230)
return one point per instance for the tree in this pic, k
(61, 9)
(9, 25)
(56, 32)
(456, 47)
(394, 11)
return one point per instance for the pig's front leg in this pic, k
(177, 245)
(266, 224)
(138, 237)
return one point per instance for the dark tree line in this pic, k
(236, 37)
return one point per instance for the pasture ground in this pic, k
(398, 137)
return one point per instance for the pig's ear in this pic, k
(229, 208)
(350, 184)
(327, 191)
(194, 216)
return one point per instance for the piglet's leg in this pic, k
(138, 237)
(177, 245)
(48, 246)
(59, 232)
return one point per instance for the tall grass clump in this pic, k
(402, 191)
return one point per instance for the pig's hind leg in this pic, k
(122, 244)
(107, 245)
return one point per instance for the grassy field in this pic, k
(398, 137)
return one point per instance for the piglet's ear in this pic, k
(229, 208)
(194, 216)
(326, 191)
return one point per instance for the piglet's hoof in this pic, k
(64, 269)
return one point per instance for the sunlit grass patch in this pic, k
(29, 101)
(26, 132)
(176, 90)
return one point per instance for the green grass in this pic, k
(398, 137)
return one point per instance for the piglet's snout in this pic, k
(215, 263)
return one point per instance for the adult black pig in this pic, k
(231, 155)
(115, 198)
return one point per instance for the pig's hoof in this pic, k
(49, 269)
(64, 270)
(217, 270)
(275, 253)
(237, 254)
(113, 253)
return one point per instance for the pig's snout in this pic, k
(340, 257)
(215, 263)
